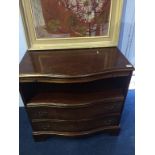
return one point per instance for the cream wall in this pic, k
(22, 47)
(127, 34)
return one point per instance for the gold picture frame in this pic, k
(110, 38)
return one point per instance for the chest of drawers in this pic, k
(74, 92)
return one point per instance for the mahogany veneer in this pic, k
(74, 92)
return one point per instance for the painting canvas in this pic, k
(61, 24)
(71, 18)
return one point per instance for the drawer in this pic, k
(74, 113)
(75, 125)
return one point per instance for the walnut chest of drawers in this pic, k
(74, 92)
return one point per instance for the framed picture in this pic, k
(65, 24)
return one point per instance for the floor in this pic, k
(98, 144)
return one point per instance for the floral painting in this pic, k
(71, 18)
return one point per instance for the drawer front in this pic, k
(74, 126)
(74, 113)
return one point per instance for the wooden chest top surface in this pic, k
(73, 63)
